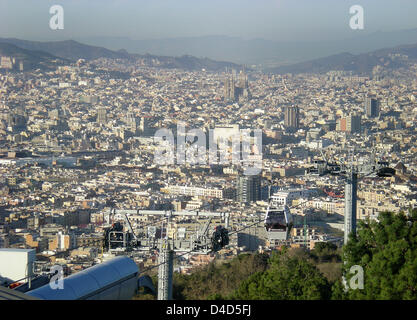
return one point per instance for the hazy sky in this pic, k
(143, 19)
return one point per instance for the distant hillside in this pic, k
(409, 50)
(30, 58)
(360, 64)
(268, 53)
(73, 50)
(187, 62)
(69, 49)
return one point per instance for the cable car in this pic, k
(334, 169)
(113, 236)
(318, 169)
(220, 238)
(116, 237)
(386, 172)
(278, 222)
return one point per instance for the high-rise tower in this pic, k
(236, 90)
(248, 188)
(102, 116)
(292, 117)
(371, 107)
(353, 123)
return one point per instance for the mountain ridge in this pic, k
(258, 51)
(74, 50)
(36, 52)
(31, 58)
(362, 64)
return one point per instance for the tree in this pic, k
(321, 247)
(325, 252)
(288, 278)
(387, 251)
(218, 280)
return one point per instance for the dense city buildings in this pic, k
(78, 141)
(350, 123)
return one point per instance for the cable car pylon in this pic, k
(372, 168)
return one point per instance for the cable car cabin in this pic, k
(386, 172)
(319, 168)
(278, 223)
(383, 163)
(220, 238)
(115, 237)
(334, 169)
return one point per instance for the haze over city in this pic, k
(208, 150)
(145, 19)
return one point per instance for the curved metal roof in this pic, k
(91, 281)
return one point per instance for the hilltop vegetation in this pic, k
(385, 249)
(207, 282)
(234, 279)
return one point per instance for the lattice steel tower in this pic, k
(165, 272)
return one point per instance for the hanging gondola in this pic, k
(220, 238)
(278, 223)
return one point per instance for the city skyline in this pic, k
(213, 167)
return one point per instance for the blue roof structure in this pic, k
(116, 279)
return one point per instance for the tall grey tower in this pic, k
(371, 107)
(351, 187)
(353, 123)
(292, 117)
(102, 116)
(248, 188)
(165, 272)
(144, 126)
(237, 88)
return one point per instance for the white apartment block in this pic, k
(195, 191)
(285, 197)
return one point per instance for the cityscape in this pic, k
(83, 192)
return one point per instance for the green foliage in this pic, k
(144, 296)
(338, 291)
(325, 252)
(387, 251)
(260, 276)
(288, 278)
(321, 247)
(216, 296)
(217, 281)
